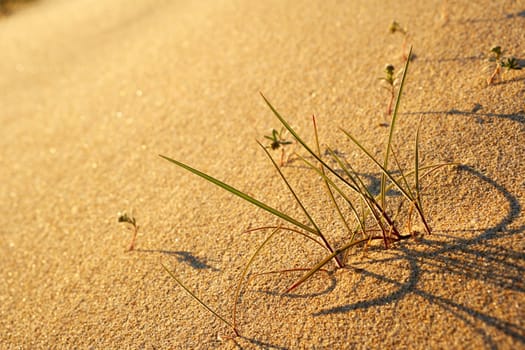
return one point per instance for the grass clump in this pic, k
(372, 216)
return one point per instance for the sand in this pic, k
(92, 92)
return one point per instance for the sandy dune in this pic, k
(92, 92)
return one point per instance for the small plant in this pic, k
(497, 61)
(395, 27)
(389, 83)
(371, 216)
(130, 220)
(278, 141)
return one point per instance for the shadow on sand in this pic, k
(183, 257)
(494, 265)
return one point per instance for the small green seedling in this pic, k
(390, 80)
(497, 61)
(130, 219)
(395, 27)
(278, 141)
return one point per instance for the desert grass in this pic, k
(372, 216)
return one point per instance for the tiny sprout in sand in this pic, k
(278, 141)
(498, 61)
(129, 219)
(395, 27)
(390, 81)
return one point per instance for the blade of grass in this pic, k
(392, 124)
(199, 300)
(327, 186)
(383, 170)
(323, 262)
(374, 207)
(394, 181)
(333, 184)
(242, 195)
(300, 140)
(402, 176)
(432, 168)
(367, 197)
(319, 233)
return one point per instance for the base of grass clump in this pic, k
(365, 216)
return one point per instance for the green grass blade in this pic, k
(319, 233)
(383, 170)
(404, 191)
(307, 148)
(354, 177)
(310, 219)
(242, 195)
(301, 141)
(402, 174)
(432, 168)
(367, 197)
(199, 300)
(327, 186)
(332, 184)
(392, 125)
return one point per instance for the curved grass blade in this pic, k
(243, 195)
(370, 202)
(200, 301)
(367, 197)
(432, 168)
(245, 271)
(402, 175)
(324, 262)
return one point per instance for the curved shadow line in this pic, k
(408, 287)
(516, 117)
(404, 289)
(183, 257)
(262, 345)
(327, 290)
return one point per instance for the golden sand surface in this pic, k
(92, 91)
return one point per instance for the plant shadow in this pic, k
(183, 257)
(481, 117)
(501, 268)
(492, 19)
